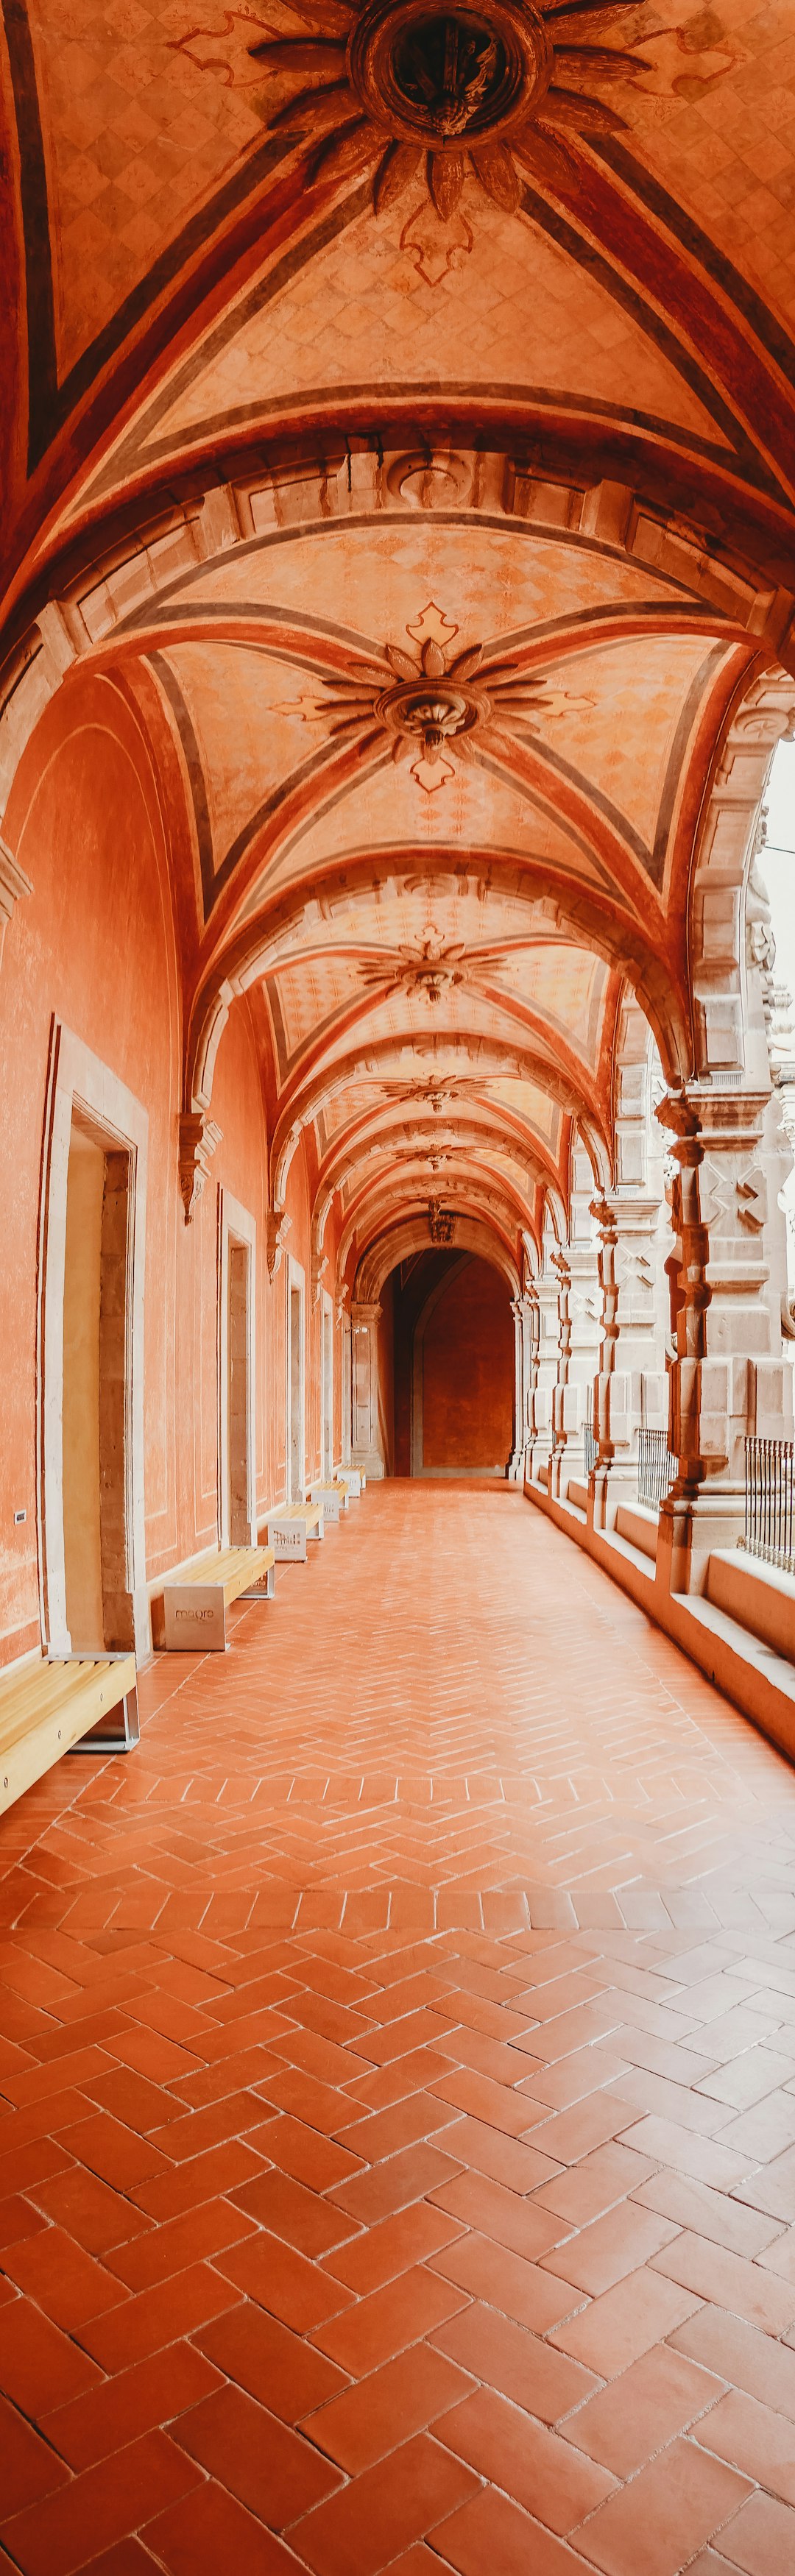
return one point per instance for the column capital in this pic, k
(679, 1114)
(364, 1313)
(729, 1121)
(604, 1214)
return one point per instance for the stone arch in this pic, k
(535, 1166)
(491, 1058)
(397, 1243)
(577, 914)
(725, 850)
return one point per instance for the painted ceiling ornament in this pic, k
(430, 970)
(435, 1095)
(503, 88)
(432, 704)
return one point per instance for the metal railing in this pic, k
(770, 1502)
(656, 1468)
(590, 1449)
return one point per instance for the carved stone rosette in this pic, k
(409, 90)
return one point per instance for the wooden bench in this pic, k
(73, 1704)
(196, 1604)
(333, 1500)
(353, 1479)
(291, 1528)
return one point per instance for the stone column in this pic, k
(531, 1350)
(523, 1310)
(544, 1371)
(560, 1392)
(609, 1404)
(366, 1442)
(579, 1347)
(631, 1342)
(727, 1380)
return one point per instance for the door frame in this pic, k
(326, 1340)
(295, 1278)
(236, 1225)
(78, 1080)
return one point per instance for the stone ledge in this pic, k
(742, 1665)
(760, 1597)
(639, 1526)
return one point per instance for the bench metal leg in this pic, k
(116, 1733)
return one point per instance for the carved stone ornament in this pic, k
(13, 883)
(408, 89)
(319, 1268)
(276, 1233)
(427, 705)
(198, 1138)
(441, 1222)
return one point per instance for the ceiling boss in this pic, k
(503, 89)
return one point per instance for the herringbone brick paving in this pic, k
(397, 2068)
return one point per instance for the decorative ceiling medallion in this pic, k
(500, 88)
(433, 706)
(430, 970)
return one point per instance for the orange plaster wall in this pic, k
(468, 1372)
(95, 947)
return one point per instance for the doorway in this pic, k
(94, 1415)
(454, 1366)
(238, 1499)
(237, 1416)
(328, 1390)
(90, 1332)
(295, 1384)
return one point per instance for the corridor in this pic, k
(397, 2061)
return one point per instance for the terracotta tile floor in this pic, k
(397, 2065)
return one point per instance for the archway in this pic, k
(452, 1337)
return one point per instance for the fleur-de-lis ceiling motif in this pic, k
(503, 89)
(432, 706)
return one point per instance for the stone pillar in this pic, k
(626, 1230)
(609, 1404)
(366, 1441)
(523, 1310)
(532, 1324)
(579, 1346)
(561, 1388)
(727, 1379)
(545, 1370)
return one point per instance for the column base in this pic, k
(370, 1463)
(567, 1463)
(688, 1531)
(610, 1486)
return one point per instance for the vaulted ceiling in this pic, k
(402, 418)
